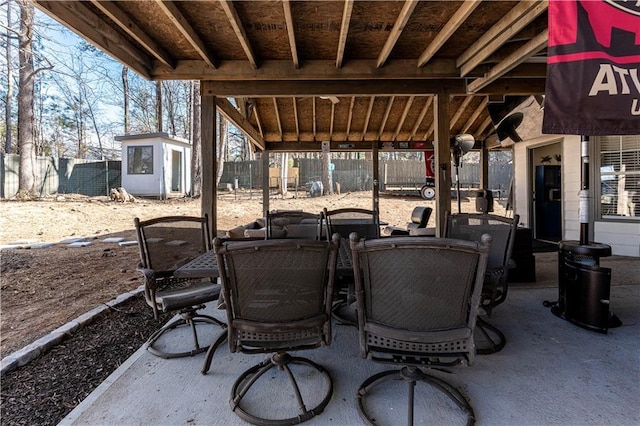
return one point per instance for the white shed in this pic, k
(156, 165)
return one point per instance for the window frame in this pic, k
(131, 164)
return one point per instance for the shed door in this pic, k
(176, 171)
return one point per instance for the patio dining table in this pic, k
(206, 265)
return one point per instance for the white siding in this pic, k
(571, 165)
(624, 238)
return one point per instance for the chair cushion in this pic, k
(420, 216)
(196, 294)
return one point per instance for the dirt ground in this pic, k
(42, 289)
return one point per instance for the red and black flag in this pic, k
(593, 68)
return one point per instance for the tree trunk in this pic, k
(196, 152)
(223, 136)
(125, 90)
(159, 125)
(9, 99)
(27, 179)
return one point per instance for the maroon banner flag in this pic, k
(593, 68)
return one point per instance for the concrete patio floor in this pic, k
(551, 372)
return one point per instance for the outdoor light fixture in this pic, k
(460, 145)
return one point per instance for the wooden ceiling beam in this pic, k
(394, 35)
(233, 115)
(134, 31)
(258, 121)
(277, 114)
(333, 116)
(182, 24)
(238, 29)
(78, 17)
(383, 123)
(512, 23)
(423, 113)
(350, 118)
(403, 118)
(463, 106)
(344, 31)
(333, 87)
(309, 70)
(288, 18)
(255, 89)
(314, 118)
(447, 31)
(476, 113)
(367, 118)
(529, 49)
(295, 117)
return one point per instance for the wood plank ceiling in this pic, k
(351, 72)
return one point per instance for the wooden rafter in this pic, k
(344, 31)
(529, 49)
(367, 118)
(182, 24)
(238, 28)
(78, 16)
(482, 130)
(277, 115)
(333, 116)
(350, 119)
(295, 117)
(290, 32)
(423, 113)
(130, 27)
(398, 27)
(383, 123)
(512, 23)
(233, 115)
(476, 113)
(447, 31)
(403, 118)
(313, 100)
(463, 106)
(258, 121)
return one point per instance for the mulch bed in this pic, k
(44, 391)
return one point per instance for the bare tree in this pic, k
(223, 137)
(159, 125)
(9, 99)
(27, 178)
(196, 151)
(125, 91)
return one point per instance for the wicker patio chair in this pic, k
(278, 295)
(293, 224)
(419, 219)
(166, 243)
(345, 221)
(470, 227)
(418, 300)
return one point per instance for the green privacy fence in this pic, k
(62, 176)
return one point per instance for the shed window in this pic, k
(620, 176)
(140, 160)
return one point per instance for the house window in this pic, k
(620, 177)
(140, 160)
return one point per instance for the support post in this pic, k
(208, 158)
(265, 182)
(376, 177)
(442, 150)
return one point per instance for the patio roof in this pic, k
(349, 72)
